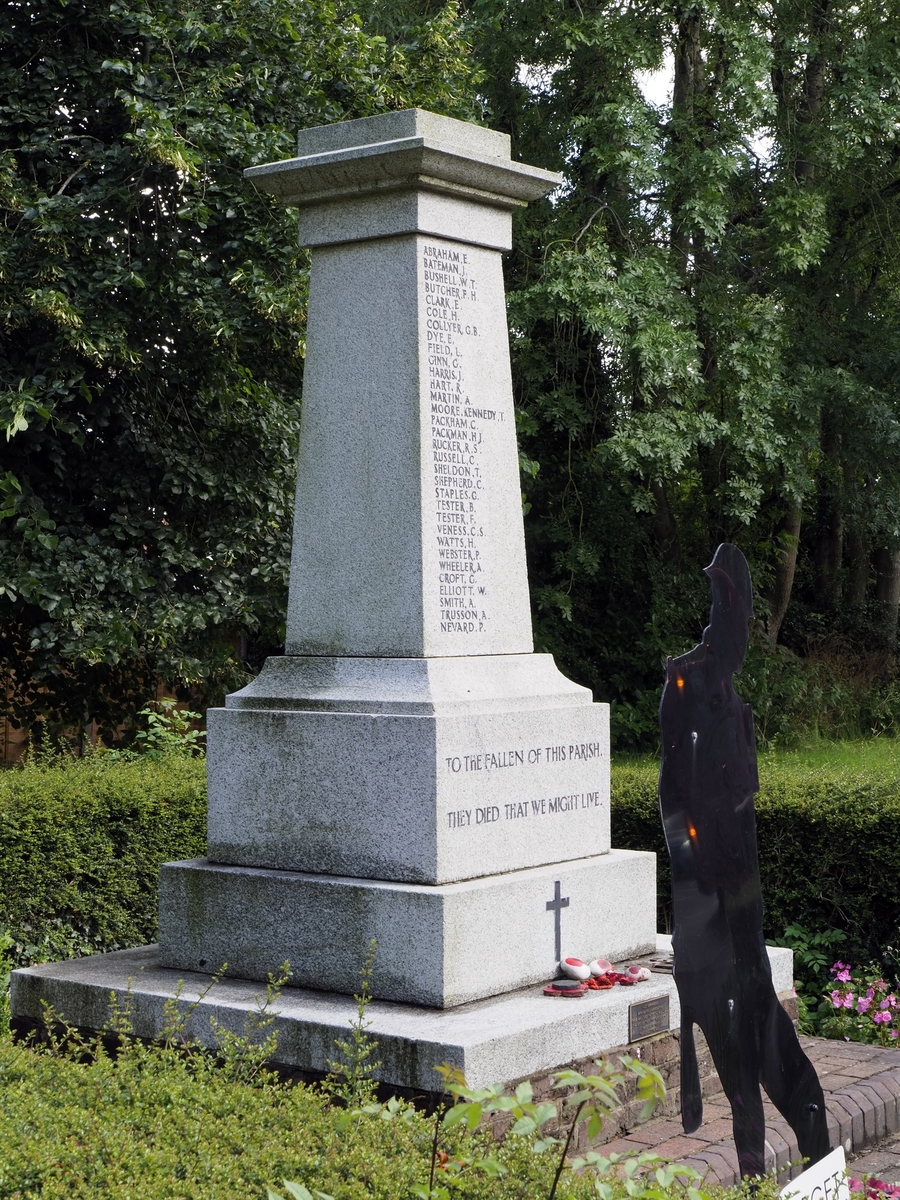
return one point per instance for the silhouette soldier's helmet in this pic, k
(732, 605)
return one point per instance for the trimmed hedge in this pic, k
(829, 846)
(147, 1127)
(81, 845)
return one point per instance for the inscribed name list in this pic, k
(474, 557)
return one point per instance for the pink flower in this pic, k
(871, 993)
(886, 1002)
(894, 1033)
(863, 1003)
(837, 998)
(876, 1189)
(843, 976)
(881, 1018)
(848, 1000)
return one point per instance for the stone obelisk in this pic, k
(410, 770)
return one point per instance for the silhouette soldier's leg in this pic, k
(792, 1084)
(735, 1053)
(691, 1092)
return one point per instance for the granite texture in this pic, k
(403, 212)
(437, 946)
(501, 1039)
(408, 535)
(410, 768)
(411, 686)
(463, 137)
(404, 172)
(421, 799)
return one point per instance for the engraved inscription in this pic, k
(530, 808)
(490, 760)
(458, 430)
(522, 810)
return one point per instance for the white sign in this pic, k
(824, 1180)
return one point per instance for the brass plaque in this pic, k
(648, 1017)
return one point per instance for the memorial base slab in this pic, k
(421, 770)
(497, 1040)
(438, 946)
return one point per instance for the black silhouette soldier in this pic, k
(707, 782)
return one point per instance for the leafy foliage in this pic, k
(643, 1176)
(81, 844)
(704, 323)
(165, 1122)
(151, 328)
(170, 729)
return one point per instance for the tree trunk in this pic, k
(813, 92)
(666, 529)
(887, 596)
(829, 544)
(689, 80)
(787, 539)
(857, 555)
(829, 553)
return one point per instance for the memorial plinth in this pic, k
(410, 770)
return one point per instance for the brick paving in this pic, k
(862, 1096)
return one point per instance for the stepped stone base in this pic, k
(437, 946)
(509, 1037)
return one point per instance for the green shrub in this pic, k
(81, 843)
(165, 1122)
(151, 1126)
(636, 824)
(828, 826)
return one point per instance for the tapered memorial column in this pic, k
(410, 770)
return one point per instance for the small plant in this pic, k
(594, 1096)
(7, 962)
(170, 729)
(237, 1057)
(813, 954)
(350, 1078)
(861, 1007)
(243, 1056)
(642, 1176)
(873, 1189)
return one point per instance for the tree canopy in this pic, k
(705, 327)
(152, 313)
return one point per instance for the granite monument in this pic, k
(410, 770)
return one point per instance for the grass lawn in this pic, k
(872, 760)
